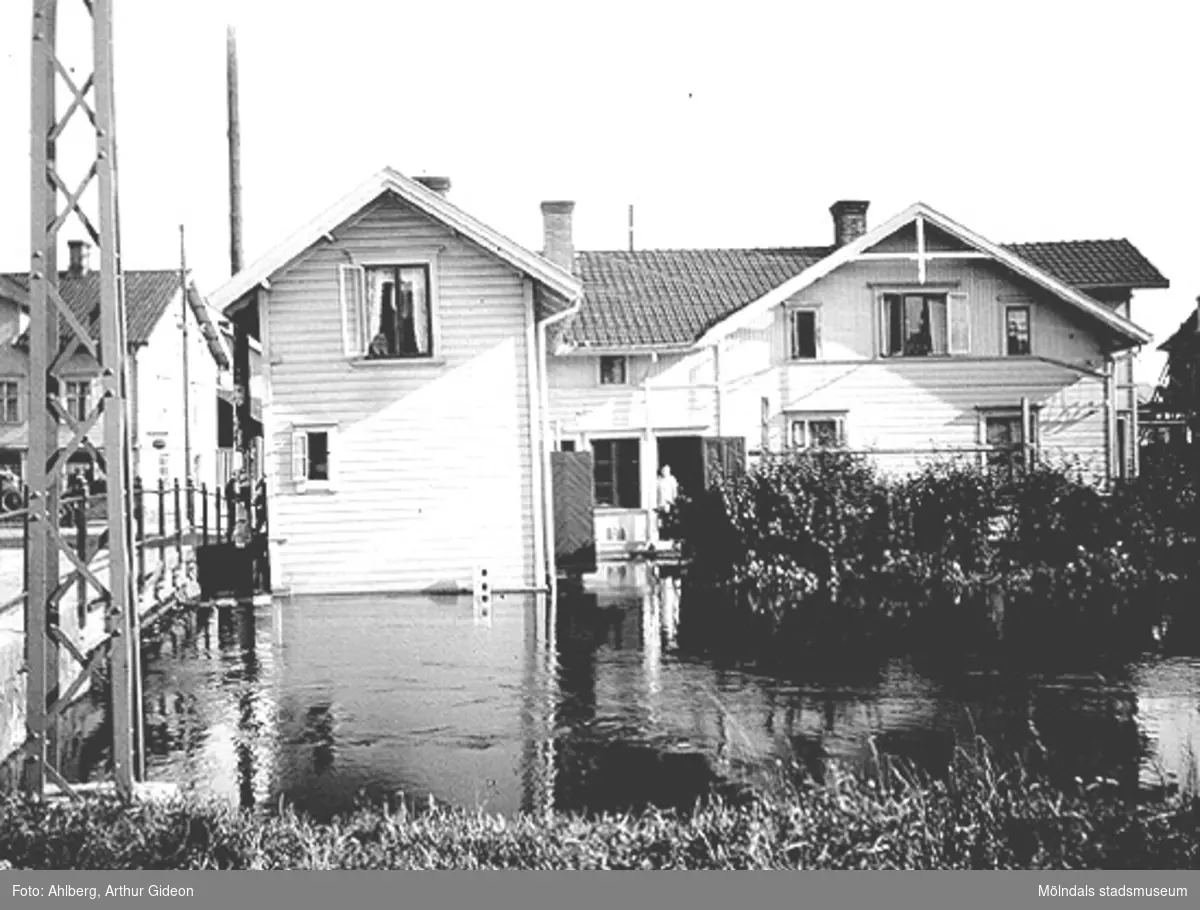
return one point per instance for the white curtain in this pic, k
(414, 280)
(376, 279)
(937, 326)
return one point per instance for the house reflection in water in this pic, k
(323, 703)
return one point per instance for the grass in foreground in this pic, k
(978, 818)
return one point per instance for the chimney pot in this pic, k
(440, 185)
(558, 244)
(849, 220)
(79, 252)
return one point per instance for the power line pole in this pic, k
(103, 337)
(187, 376)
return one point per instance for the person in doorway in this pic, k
(668, 490)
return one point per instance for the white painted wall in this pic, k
(432, 460)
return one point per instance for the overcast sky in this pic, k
(724, 125)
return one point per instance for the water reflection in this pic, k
(588, 705)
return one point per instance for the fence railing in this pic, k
(167, 518)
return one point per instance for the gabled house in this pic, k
(915, 338)
(404, 386)
(155, 306)
(1178, 398)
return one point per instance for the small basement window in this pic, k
(614, 370)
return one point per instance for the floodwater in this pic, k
(322, 703)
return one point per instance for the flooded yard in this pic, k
(321, 703)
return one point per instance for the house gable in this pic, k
(891, 241)
(324, 228)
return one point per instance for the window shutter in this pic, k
(299, 456)
(351, 282)
(960, 324)
(817, 331)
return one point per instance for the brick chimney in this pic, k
(558, 245)
(849, 221)
(440, 185)
(79, 252)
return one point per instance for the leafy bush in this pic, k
(818, 549)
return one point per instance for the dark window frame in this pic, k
(806, 348)
(896, 341)
(616, 472)
(381, 344)
(606, 377)
(1009, 338)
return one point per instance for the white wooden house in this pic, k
(403, 367)
(154, 308)
(916, 338)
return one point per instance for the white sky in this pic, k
(730, 125)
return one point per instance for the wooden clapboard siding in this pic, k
(889, 403)
(850, 318)
(432, 461)
(922, 404)
(682, 394)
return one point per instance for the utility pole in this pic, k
(187, 376)
(241, 338)
(103, 337)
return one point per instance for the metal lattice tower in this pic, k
(56, 335)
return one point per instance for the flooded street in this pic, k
(320, 703)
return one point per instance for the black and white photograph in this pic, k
(627, 436)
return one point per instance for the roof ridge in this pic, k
(708, 249)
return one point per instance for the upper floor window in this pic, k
(10, 402)
(1016, 331)
(614, 370)
(802, 334)
(925, 324)
(77, 398)
(387, 310)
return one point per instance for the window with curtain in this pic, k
(399, 314)
(915, 325)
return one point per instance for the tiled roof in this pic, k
(147, 296)
(668, 297)
(671, 297)
(1092, 263)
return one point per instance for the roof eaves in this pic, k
(227, 296)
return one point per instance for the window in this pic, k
(77, 398)
(816, 431)
(164, 467)
(925, 324)
(567, 445)
(387, 311)
(617, 473)
(10, 408)
(1016, 331)
(312, 462)
(1003, 432)
(614, 370)
(802, 334)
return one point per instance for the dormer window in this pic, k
(614, 370)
